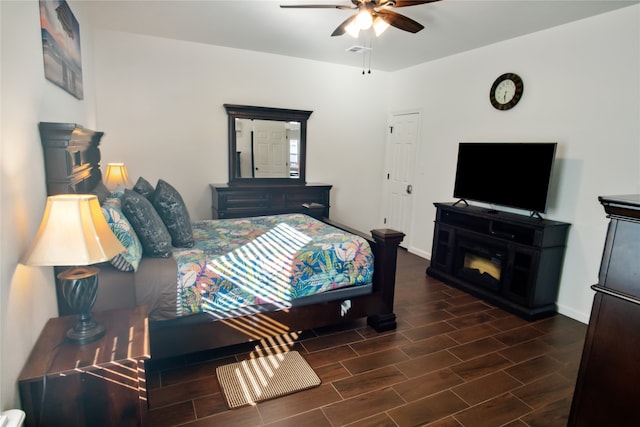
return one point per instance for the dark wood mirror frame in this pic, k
(266, 113)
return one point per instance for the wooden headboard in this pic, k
(71, 157)
(72, 165)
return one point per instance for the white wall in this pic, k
(160, 103)
(27, 294)
(581, 89)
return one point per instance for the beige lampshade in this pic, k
(115, 175)
(73, 232)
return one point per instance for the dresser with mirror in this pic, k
(267, 166)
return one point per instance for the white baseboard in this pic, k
(419, 252)
(576, 315)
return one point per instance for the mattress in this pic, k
(237, 264)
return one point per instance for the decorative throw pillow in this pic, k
(121, 227)
(118, 192)
(170, 205)
(101, 191)
(144, 187)
(153, 234)
(113, 199)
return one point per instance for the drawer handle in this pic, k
(616, 294)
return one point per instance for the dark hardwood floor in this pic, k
(454, 360)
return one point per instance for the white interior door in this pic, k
(402, 139)
(270, 149)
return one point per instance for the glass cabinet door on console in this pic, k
(442, 243)
(524, 262)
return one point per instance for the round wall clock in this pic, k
(506, 91)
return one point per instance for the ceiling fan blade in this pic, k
(405, 3)
(342, 27)
(399, 21)
(314, 6)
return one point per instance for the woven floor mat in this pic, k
(262, 378)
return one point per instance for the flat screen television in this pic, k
(511, 174)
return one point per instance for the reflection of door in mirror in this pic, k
(267, 148)
(270, 150)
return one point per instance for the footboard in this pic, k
(384, 277)
(201, 332)
(384, 244)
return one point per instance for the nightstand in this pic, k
(101, 383)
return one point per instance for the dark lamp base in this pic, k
(82, 333)
(80, 287)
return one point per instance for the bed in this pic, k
(192, 302)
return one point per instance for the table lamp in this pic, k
(115, 175)
(74, 232)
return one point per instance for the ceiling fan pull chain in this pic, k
(370, 51)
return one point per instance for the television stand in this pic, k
(510, 260)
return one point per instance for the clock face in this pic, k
(506, 91)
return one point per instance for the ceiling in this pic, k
(451, 26)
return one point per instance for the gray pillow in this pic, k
(101, 191)
(146, 222)
(144, 187)
(169, 204)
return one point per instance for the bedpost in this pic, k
(384, 277)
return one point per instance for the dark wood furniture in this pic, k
(194, 333)
(96, 384)
(72, 157)
(510, 260)
(607, 388)
(239, 201)
(239, 112)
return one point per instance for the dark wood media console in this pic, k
(513, 261)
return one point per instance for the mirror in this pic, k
(266, 145)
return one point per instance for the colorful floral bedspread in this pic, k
(237, 263)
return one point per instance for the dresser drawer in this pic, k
(235, 200)
(244, 201)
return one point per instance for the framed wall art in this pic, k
(61, 46)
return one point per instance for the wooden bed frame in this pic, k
(72, 163)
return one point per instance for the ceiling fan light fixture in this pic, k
(379, 26)
(352, 29)
(364, 19)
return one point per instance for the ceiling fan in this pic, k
(374, 13)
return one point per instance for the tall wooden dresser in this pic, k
(608, 386)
